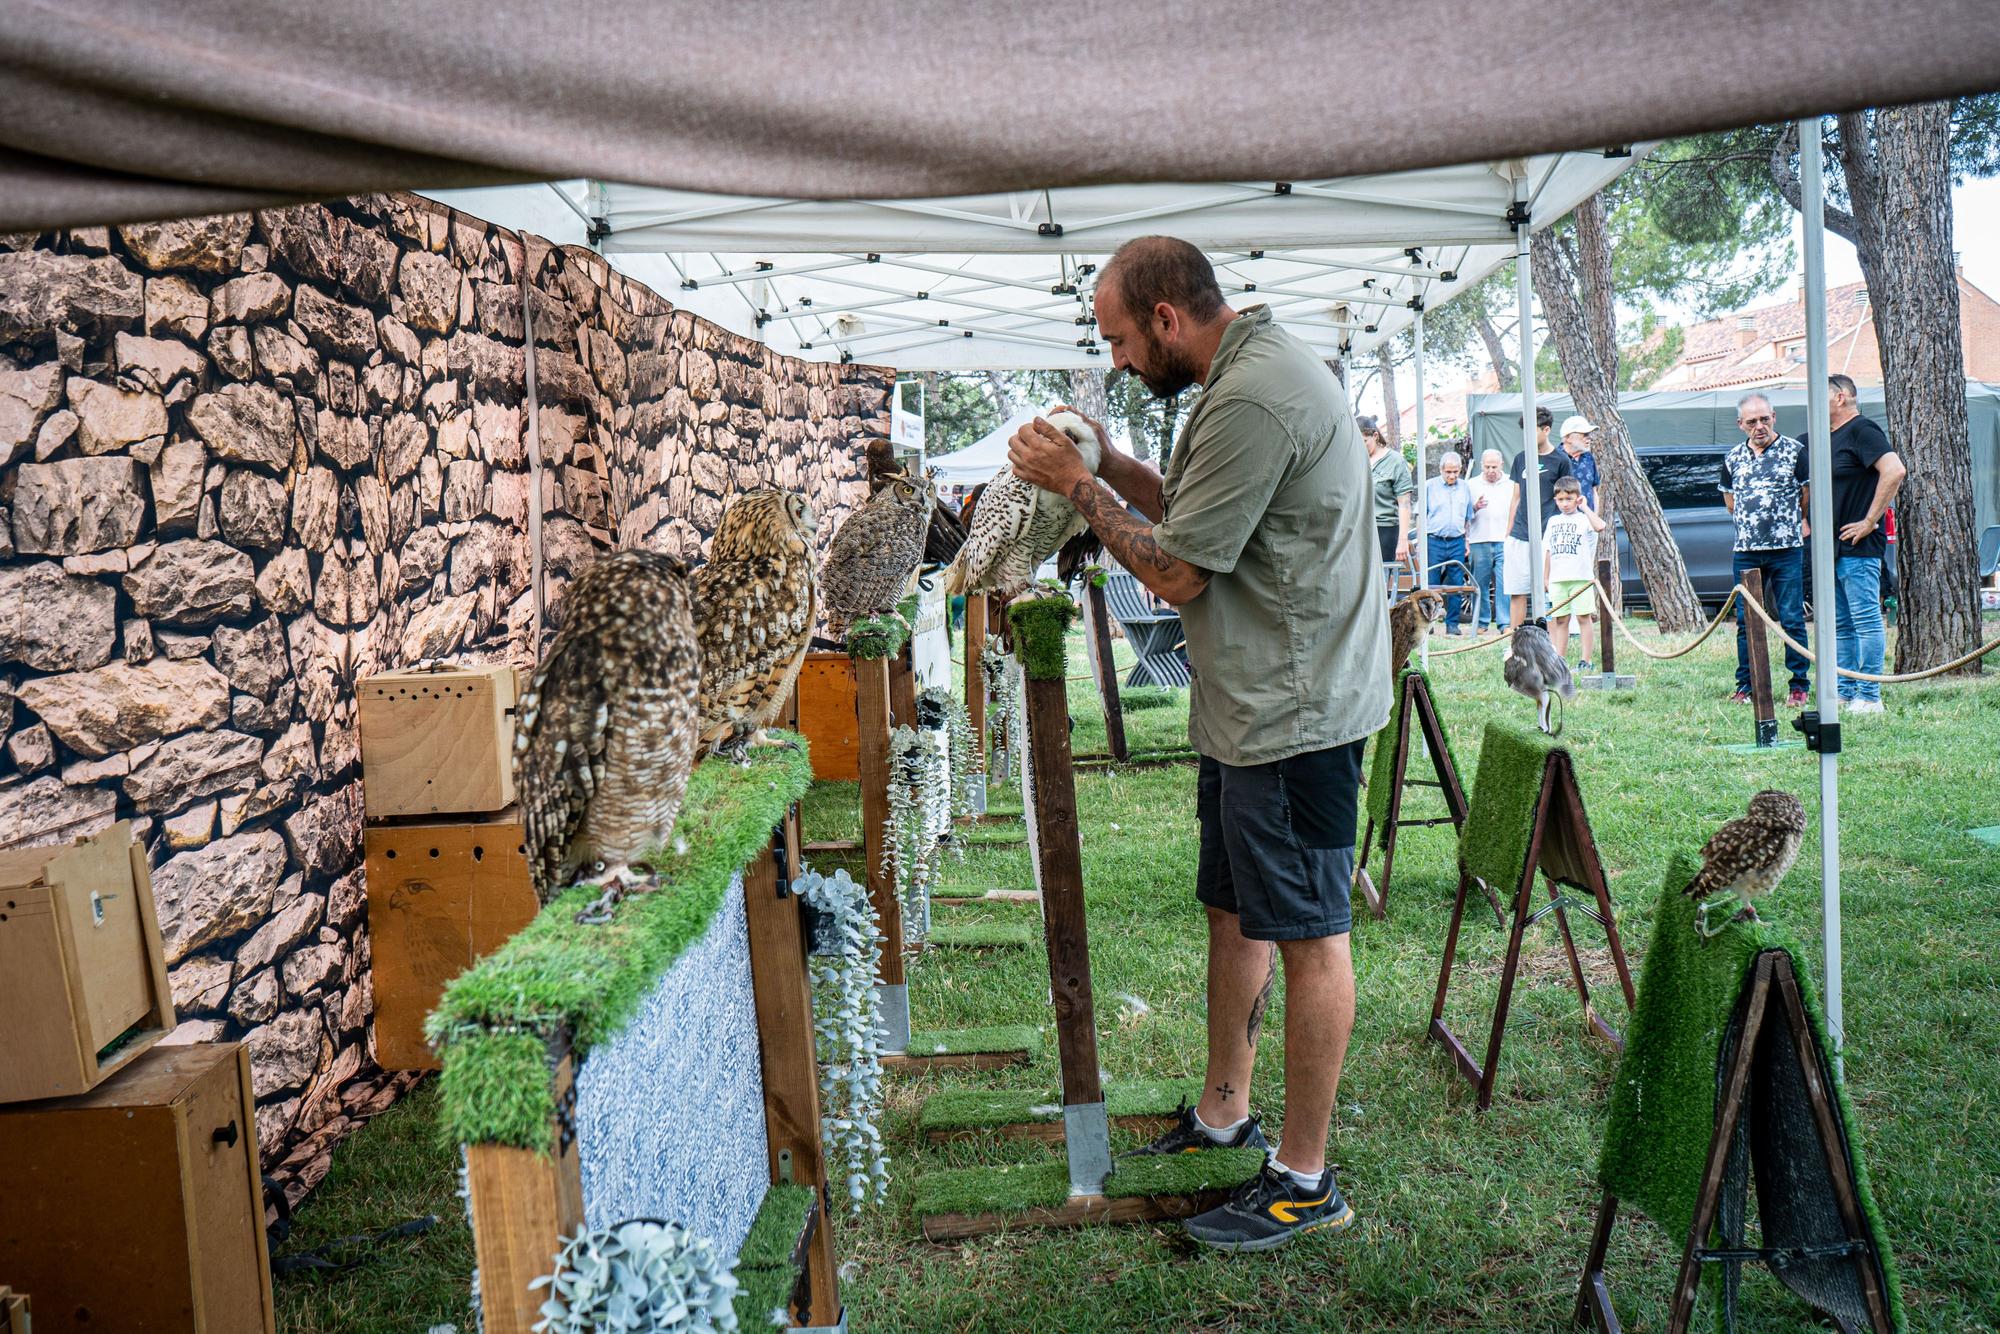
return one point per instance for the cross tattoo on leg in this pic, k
(1226, 1089)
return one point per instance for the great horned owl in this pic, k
(755, 604)
(1750, 854)
(1409, 621)
(1534, 668)
(877, 549)
(605, 734)
(1017, 525)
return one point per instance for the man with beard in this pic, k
(1262, 533)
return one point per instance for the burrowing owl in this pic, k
(877, 549)
(1750, 854)
(1409, 621)
(605, 734)
(1534, 668)
(755, 604)
(1017, 525)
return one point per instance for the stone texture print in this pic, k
(247, 460)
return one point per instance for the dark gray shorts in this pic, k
(1277, 842)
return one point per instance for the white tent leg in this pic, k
(1420, 509)
(1825, 681)
(1531, 467)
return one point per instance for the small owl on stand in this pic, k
(605, 733)
(1534, 668)
(1748, 856)
(755, 604)
(877, 549)
(1409, 621)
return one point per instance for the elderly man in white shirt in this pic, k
(1492, 493)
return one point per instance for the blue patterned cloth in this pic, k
(670, 1113)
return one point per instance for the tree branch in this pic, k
(1786, 177)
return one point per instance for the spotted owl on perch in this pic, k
(1749, 855)
(1017, 525)
(755, 603)
(877, 548)
(605, 733)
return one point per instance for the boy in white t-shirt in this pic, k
(1569, 556)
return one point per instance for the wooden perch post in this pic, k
(1097, 636)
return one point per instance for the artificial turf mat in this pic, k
(1664, 1099)
(774, 1234)
(972, 1041)
(873, 637)
(977, 1109)
(1382, 760)
(1500, 814)
(764, 1297)
(984, 1190)
(980, 936)
(493, 1024)
(1041, 627)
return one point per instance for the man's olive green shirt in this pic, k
(1270, 492)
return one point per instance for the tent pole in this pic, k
(1825, 682)
(1531, 466)
(1421, 508)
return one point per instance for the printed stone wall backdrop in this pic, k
(247, 460)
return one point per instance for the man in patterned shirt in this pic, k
(1764, 486)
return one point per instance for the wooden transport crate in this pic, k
(826, 716)
(440, 896)
(438, 741)
(83, 983)
(139, 1206)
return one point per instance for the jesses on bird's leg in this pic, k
(617, 880)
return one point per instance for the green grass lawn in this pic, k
(1467, 1222)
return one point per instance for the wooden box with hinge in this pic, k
(438, 740)
(83, 982)
(441, 895)
(139, 1206)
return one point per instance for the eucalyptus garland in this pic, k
(966, 761)
(847, 1026)
(640, 1275)
(919, 818)
(1003, 690)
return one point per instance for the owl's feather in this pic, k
(877, 549)
(1017, 525)
(755, 604)
(605, 733)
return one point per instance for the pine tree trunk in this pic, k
(1088, 396)
(1913, 289)
(1504, 379)
(1574, 284)
(1392, 414)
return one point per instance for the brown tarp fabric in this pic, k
(133, 109)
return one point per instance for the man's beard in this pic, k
(1171, 371)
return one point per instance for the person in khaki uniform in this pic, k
(1262, 533)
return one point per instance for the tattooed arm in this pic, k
(1044, 456)
(1131, 541)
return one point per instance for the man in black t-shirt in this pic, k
(1866, 476)
(1516, 571)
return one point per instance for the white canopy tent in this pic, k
(978, 461)
(1001, 281)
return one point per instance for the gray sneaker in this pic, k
(1187, 1137)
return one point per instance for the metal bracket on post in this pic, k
(894, 1000)
(1821, 737)
(840, 1328)
(1087, 1137)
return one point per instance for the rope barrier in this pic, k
(1739, 591)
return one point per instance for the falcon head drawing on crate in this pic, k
(1017, 525)
(604, 735)
(1748, 856)
(875, 551)
(1533, 668)
(755, 604)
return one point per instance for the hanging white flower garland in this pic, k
(1003, 689)
(967, 764)
(919, 819)
(847, 1026)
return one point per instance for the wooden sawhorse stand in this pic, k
(1774, 1031)
(1415, 697)
(1560, 847)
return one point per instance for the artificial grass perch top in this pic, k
(1040, 625)
(495, 1023)
(1664, 1100)
(1382, 762)
(1500, 813)
(873, 637)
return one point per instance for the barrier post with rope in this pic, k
(1752, 628)
(1608, 678)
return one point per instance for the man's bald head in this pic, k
(1150, 271)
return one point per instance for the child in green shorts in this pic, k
(1569, 558)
